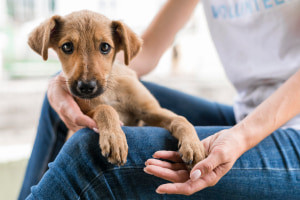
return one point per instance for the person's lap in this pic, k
(91, 174)
(198, 111)
(268, 171)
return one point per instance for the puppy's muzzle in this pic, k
(86, 89)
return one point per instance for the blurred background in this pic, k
(191, 64)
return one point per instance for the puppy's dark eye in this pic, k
(104, 48)
(67, 48)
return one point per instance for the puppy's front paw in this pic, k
(114, 146)
(192, 152)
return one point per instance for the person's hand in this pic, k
(223, 148)
(63, 103)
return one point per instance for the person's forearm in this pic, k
(161, 32)
(279, 108)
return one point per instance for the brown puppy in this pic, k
(86, 43)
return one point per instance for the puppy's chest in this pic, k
(119, 103)
(111, 100)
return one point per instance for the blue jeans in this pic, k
(271, 170)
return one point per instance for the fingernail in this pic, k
(121, 123)
(146, 171)
(195, 175)
(146, 163)
(96, 130)
(159, 192)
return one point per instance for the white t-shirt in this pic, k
(258, 42)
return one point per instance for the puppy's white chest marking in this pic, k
(110, 101)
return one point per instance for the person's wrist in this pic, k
(242, 135)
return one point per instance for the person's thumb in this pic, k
(205, 166)
(84, 120)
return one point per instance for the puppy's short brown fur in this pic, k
(86, 43)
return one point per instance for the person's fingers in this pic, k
(74, 119)
(167, 174)
(85, 121)
(71, 111)
(190, 187)
(206, 166)
(96, 130)
(64, 104)
(187, 188)
(76, 128)
(168, 155)
(165, 164)
(70, 125)
(206, 143)
(174, 188)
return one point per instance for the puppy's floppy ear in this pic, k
(39, 38)
(125, 39)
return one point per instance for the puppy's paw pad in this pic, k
(114, 147)
(192, 152)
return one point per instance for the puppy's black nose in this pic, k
(87, 87)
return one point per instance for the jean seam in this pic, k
(51, 150)
(102, 173)
(269, 169)
(65, 182)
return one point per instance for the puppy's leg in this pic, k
(112, 139)
(191, 149)
(146, 108)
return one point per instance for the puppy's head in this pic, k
(86, 44)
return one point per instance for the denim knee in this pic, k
(143, 142)
(75, 167)
(84, 136)
(82, 143)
